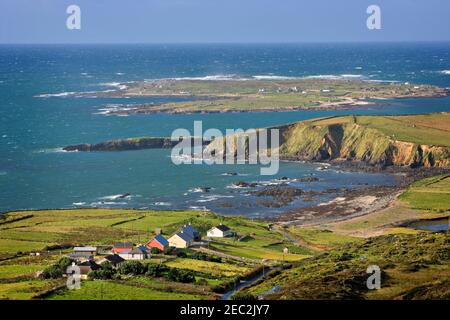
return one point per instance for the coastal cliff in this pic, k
(415, 141)
(351, 141)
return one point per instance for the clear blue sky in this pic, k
(173, 21)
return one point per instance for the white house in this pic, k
(135, 254)
(220, 231)
(180, 240)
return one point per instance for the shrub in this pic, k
(181, 276)
(105, 273)
(156, 270)
(243, 296)
(132, 267)
(155, 251)
(181, 254)
(58, 269)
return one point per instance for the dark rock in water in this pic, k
(231, 174)
(205, 189)
(123, 196)
(278, 192)
(243, 184)
(307, 179)
(284, 178)
(128, 144)
(281, 195)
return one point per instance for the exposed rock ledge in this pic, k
(126, 144)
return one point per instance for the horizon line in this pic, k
(232, 42)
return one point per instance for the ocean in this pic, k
(38, 118)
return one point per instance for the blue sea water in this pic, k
(33, 174)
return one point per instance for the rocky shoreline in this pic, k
(351, 203)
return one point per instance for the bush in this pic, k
(155, 251)
(181, 276)
(181, 254)
(206, 257)
(243, 296)
(133, 268)
(58, 269)
(156, 270)
(105, 273)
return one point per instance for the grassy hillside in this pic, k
(421, 140)
(413, 267)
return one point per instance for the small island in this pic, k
(261, 95)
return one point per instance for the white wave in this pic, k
(358, 68)
(79, 203)
(120, 73)
(49, 95)
(447, 72)
(161, 203)
(117, 85)
(116, 197)
(3, 173)
(54, 150)
(213, 197)
(216, 77)
(274, 77)
(200, 190)
(107, 203)
(199, 208)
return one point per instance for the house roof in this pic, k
(137, 251)
(161, 240)
(85, 249)
(222, 227)
(185, 236)
(189, 229)
(114, 258)
(89, 263)
(123, 245)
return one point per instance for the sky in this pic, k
(223, 21)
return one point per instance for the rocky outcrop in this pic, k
(125, 144)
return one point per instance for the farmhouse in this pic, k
(191, 231)
(122, 247)
(158, 242)
(86, 267)
(85, 250)
(114, 259)
(181, 240)
(139, 253)
(220, 231)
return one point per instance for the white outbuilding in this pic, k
(220, 231)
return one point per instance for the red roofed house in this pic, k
(122, 247)
(158, 242)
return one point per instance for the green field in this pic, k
(23, 234)
(212, 268)
(108, 290)
(428, 129)
(431, 194)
